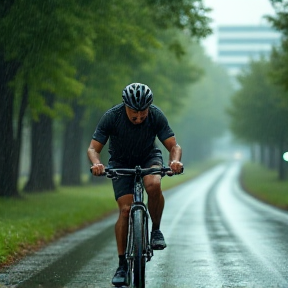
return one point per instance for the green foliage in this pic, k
(61, 46)
(279, 58)
(169, 74)
(279, 67)
(122, 44)
(182, 14)
(86, 52)
(43, 51)
(257, 110)
(203, 117)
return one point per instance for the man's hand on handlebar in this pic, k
(176, 167)
(97, 169)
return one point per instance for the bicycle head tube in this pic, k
(138, 191)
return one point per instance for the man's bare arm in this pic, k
(175, 154)
(93, 153)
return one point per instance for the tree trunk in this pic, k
(8, 165)
(262, 154)
(41, 170)
(253, 153)
(72, 149)
(272, 162)
(18, 141)
(282, 164)
(5, 7)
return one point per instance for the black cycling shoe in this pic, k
(121, 277)
(157, 240)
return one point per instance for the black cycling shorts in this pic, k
(125, 185)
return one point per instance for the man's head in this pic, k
(137, 96)
(136, 117)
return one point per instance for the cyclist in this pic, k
(131, 128)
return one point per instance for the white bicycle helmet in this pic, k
(137, 96)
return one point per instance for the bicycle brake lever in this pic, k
(104, 174)
(110, 176)
(169, 174)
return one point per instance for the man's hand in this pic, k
(176, 167)
(97, 169)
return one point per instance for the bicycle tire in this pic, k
(139, 261)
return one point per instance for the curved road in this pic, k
(217, 236)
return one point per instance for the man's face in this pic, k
(136, 117)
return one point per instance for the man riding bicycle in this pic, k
(131, 128)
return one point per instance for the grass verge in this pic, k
(36, 219)
(263, 184)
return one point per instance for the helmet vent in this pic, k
(137, 96)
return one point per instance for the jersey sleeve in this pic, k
(164, 131)
(103, 129)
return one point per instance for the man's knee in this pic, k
(124, 211)
(153, 185)
(124, 204)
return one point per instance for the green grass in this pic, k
(38, 218)
(264, 185)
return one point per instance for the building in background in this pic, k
(237, 45)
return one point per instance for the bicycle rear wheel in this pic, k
(139, 262)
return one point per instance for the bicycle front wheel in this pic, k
(139, 261)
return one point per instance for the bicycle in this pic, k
(138, 249)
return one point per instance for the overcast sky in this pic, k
(235, 12)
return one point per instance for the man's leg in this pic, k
(121, 226)
(121, 230)
(155, 205)
(155, 198)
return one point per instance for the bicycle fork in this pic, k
(147, 250)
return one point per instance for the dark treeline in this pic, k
(59, 60)
(63, 64)
(259, 109)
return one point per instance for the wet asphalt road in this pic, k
(217, 236)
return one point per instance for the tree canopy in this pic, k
(81, 53)
(258, 111)
(279, 57)
(203, 117)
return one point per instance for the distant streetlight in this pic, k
(285, 156)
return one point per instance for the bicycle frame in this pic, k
(139, 253)
(138, 249)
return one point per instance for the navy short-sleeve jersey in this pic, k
(132, 144)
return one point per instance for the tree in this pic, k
(125, 45)
(280, 54)
(49, 43)
(203, 117)
(257, 111)
(8, 70)
(183, 15)
(32, 58)
(72, 147)
(41, 168)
